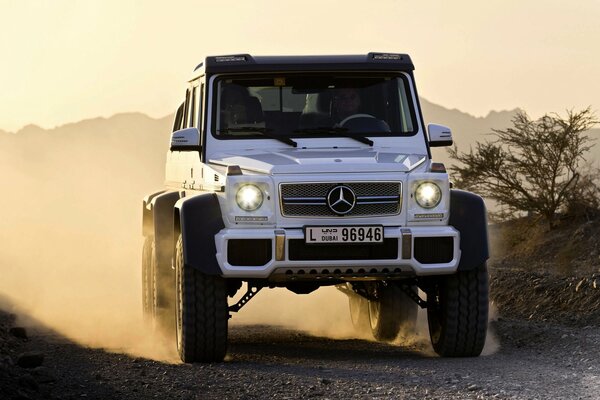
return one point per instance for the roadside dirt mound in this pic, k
(544, 274)
(543, 296)
(570, 249)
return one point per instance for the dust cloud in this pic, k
(324, 312)
(70, 227)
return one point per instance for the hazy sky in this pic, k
(63, 61)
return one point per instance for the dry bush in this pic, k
(531, 167)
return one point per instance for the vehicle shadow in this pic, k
(259, 341)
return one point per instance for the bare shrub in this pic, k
(531, 167)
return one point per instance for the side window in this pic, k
(178, 123)
(201, 106)
(186, 109)
(197, 107)
(192, 112)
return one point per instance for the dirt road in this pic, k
(532, 360)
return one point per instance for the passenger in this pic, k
(233, 106)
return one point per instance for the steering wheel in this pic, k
(354, 116)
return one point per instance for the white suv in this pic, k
(309, 171)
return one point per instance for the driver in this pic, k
(346, 102)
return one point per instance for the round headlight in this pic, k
(428, 195)
(249, 197)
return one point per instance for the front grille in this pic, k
(300, 251)
(434, 250)
(310, 199)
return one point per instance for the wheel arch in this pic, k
(162, 207)
(199, 219)
(148, 214)
(469, 216)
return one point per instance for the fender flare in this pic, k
(199, 219)
(148, 214)
(468, 215)
(162, 227)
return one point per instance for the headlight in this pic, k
(249, 197)
(428, 195)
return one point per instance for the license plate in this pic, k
(343, 234)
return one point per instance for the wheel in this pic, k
(163, 295)
(359, 313)
(147, 279)
(201, 312)
(386, 312)
(458, 313)
(410, 311)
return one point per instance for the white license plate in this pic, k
(343, 234)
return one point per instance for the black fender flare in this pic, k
(468, 215)
(148, 214)
(162, 220)
(198, 220)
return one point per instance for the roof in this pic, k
(364, 62)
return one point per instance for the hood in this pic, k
(313, 161)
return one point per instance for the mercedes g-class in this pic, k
(309, 171)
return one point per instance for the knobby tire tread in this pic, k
(463, 313)
(205, 314)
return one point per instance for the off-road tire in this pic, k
(147, 279)
(458, 313)
(163, 297)
(201, 313)
(359, 313)
(385, 312)
(410, 312)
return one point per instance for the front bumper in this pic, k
(401, 260)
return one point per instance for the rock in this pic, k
(324, 381)
(18, 332)
(30, 359)
(473, 387)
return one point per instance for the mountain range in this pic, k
(137, 144)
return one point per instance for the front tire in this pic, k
(201, 312)
(457, 313)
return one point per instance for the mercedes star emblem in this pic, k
(341, 200)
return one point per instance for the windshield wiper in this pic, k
(263, 131)
(342, 132)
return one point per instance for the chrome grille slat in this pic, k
(378, 202)
(310, 199)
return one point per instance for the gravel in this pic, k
(535, 360)
(545, 343)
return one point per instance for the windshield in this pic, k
(312, 106)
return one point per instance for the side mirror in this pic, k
(185, 140)
(439, 135)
